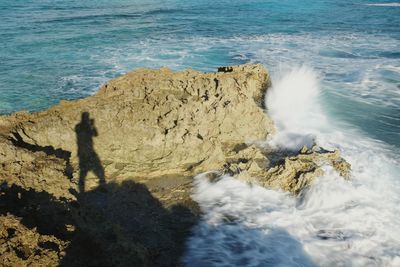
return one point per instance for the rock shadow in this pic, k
(88, 159)
(123, 225)
(18, 141)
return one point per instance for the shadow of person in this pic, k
(124, 225)
(88, 158)
(128, 226)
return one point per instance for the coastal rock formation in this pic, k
(111, 174)
(147, 124)
(289, 171)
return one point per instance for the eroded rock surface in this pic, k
(149, 123)
(288, 171)
(21, 246)
(107, 179)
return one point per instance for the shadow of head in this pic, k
(85, 117)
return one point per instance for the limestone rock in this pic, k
(21, 246)
(111, 174)
(150, 123)
(295, 171)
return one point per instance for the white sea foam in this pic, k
(350, 63)
(293, 103)
(385, 4)
(333, 223)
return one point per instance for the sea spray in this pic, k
(333, 223)
(293, 104)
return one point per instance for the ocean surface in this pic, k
(335, 67)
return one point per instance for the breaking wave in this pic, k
(333, 223)
(293, 104)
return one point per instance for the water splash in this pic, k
(333, 223)
(293, 104)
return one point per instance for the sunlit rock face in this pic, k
(150, 123)
(104, 166)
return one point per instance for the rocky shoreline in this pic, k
(106, 180)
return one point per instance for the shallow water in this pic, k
(335, 63)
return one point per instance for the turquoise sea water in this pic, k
(53, 50)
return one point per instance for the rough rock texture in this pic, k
(152, 123)
(105, 181)
(21, 246)
(289, 171)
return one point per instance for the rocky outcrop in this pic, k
(288, 170)
(147, 124)
(113, 172)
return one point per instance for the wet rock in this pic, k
(295, 171)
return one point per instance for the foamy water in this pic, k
(359, 74)
(333, 223)
(347, 98)
(385, 4)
